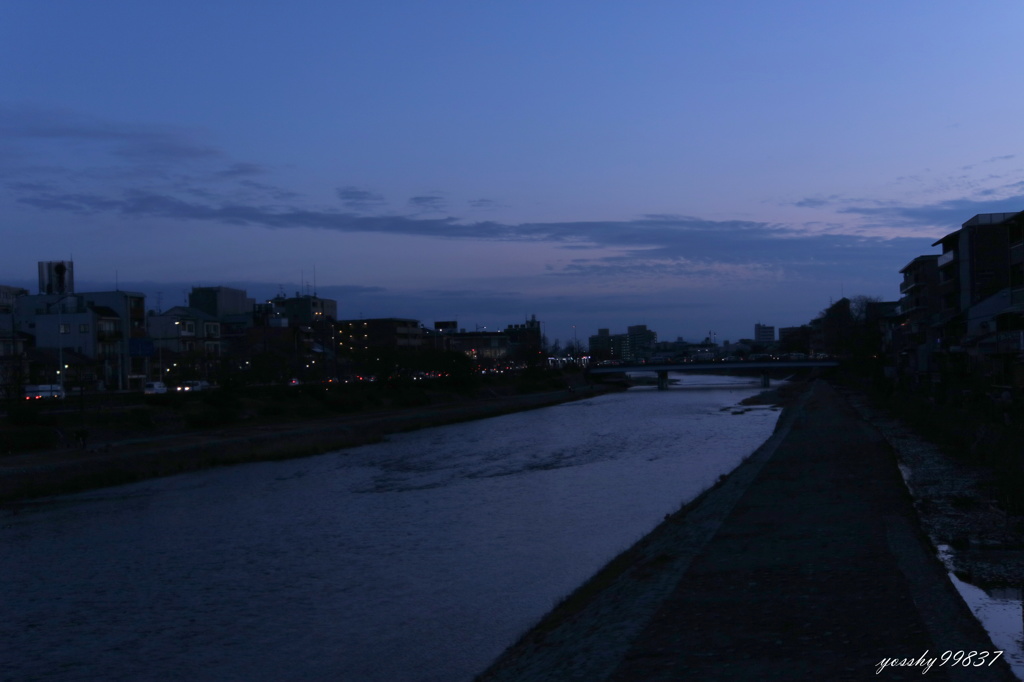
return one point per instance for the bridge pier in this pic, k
(765, 381)
(662, 380)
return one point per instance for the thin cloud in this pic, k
(486, 205)
(360, 200)
(430, 203)
(817, 202)
(944, 215)
(242, 170)
(264, 189)
(653, 250)
(127, 141)
(652, 237)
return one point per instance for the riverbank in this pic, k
(117, 460)
(807, 562)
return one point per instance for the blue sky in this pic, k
(694, 167)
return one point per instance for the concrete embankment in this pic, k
(806, 563)
(54, 472)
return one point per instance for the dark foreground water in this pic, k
(420, 558)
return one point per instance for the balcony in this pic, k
(909, 284)
(946, 258)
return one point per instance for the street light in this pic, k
(60, 345)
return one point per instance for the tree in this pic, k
(860, 307)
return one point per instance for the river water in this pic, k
(420, 558)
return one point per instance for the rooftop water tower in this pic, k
(56, 277)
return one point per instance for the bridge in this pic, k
(663, 370)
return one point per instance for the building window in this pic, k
(83, 329)
(65, 328)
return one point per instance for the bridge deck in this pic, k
(704, 366)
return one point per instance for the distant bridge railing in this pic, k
(663, 370)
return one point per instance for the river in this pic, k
(420, 558)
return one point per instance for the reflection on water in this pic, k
(420, 558)
(1000, 610)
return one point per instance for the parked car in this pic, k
(194, 386)
(154, 387)
(44, 392)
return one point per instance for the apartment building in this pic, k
(187, 344)
(353, 336)
(920, 306)
(636, 345)
(305, 310)
(764, 334)
(961, 312)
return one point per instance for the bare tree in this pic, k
(859, 306)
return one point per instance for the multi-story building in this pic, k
(105, 327)
(387, 332)
(639, 343)
(100, 336)
(187, 343)
(232, 308)
(795, 339)
(12, 345)
(221, 301)
(306, 310)
(962, 312)
(975, 264)
(600, 345)
(919, 310)
(764, 334)
(442, 336)
(526, 339)
(636, 345)
(7, 297)
(487, 349)
(1015, 227)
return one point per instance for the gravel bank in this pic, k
(982, 544)
(807, 558)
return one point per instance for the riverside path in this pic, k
(807, 563)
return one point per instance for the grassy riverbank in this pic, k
(172, 436)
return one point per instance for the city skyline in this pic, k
(694, 169)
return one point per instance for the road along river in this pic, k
(419, 558)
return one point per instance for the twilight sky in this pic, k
(692, 166)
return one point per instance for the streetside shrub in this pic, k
(973, 433)
(215, 408)
(27, 438)
(206, 418)
(141, 416)
(536, 379)
(410, 397)
(23, 414)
